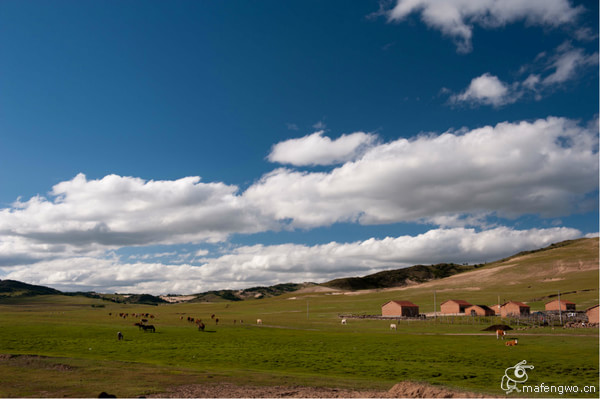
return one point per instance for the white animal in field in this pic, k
(392, 326)
(258, 321)
(344, 321)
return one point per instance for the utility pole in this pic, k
(559, 309)
(498, 306)
(307, 309)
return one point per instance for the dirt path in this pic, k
(401, 390)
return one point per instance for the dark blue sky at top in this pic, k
(163, 90)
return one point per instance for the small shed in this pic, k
(479, 310)
(564, 305)
(592, 314)
(514, 308)
(453, 306)
(400, 308)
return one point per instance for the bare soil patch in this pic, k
(34, 362)
(404, 389)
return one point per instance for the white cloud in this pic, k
(546, 73)
(543, 167)
(320, 125)
(316, 149)
(547, 167)
(486, 89)
(567, 62)
(120, 211)
(456, 18)
(266, 265)
(585, 34)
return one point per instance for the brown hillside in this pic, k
(571, 267)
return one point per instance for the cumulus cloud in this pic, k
(456, 18)
(547, 167)
(543, 167)
(547, 72)
(455, 179)
(119, 211)
(316, 149)
(266, 265)
(486, 89)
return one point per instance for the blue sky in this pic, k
(185, 146)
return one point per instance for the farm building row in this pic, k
(462, 307)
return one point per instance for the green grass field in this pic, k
(55, 346)
(77, 352)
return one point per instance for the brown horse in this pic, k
(148, 327)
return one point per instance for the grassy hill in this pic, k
(532, 277)
(399, 277)
(70, 343)
(249, 293)
(12, 288)
(570, 267)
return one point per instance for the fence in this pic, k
(536, 319)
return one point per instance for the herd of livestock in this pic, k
(143, 320)
(142, 324)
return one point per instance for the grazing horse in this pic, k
(392, 326)
(119, 336)
(149, 327)
(512, 342)
(344, 322)
(500, 333)
(201, 326)
(258, 321)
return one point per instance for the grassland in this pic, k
(67, 346)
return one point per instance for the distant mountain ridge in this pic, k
(385, 279)
(17, 288)
(399, 277)
(249, 293)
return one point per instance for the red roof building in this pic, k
(564, 305)
(592, 314)
(479, 310)
(514, 308)
(454, 306)
(400, 308)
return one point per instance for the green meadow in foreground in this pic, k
(67, 345)
(82, 357)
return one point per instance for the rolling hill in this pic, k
(13, 288)
(570, 267)
(399, 277)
